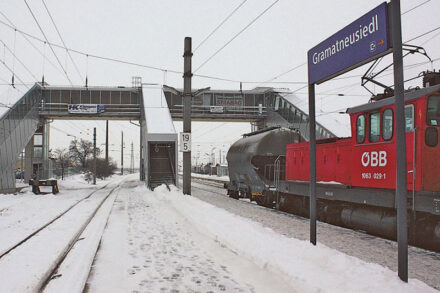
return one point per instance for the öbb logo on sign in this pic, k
(374, 159)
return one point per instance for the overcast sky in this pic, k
(152, 33)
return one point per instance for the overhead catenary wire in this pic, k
(26, 37)
(333, 93)
(218, 26)
(61, 38)
(288, 71)
(17, 83)
(422, 35)
(430, 39)
(236, 35)
(210, 130)
(19, 60)
(60, 130)
(338, 111)
(13, 59)
(412, 39)
(87, 54)
(25, 34)
(415, 7)
(347, 87)
(11, 71)
(45, 37)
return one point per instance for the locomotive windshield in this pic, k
(433, 112)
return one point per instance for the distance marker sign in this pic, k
(185, 141)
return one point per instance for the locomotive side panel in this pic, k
(373, 160)
(332, 160)
(430, 143)
(374, 147)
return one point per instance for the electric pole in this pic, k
(122, 152)
(401, 169)
(106, 142)
(187, 113)
(94, 156)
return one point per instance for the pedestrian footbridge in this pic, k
(25, 125)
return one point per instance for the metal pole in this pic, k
(187, 113)
(106, 142)
(122, 152)
(401, 172)
(94, 156)
(312, 141)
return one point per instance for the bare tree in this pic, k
(62, 158)
(104, 168)
(81, 151)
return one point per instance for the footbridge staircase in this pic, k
(17, 126)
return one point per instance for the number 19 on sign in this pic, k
(185, 141)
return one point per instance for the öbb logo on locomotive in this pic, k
(374, 159)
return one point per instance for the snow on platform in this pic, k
(167, 234)
(149, 246)
(164, 241)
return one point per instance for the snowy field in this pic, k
(137, 240)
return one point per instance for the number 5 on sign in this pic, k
(185, 141)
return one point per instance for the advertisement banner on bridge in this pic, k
(229, 101)
(85, 108)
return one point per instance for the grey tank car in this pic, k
(257, 161)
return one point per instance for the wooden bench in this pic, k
(37, 183)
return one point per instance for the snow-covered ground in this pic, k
(423, 265)
(212, 177)
(164, 241)
(167, 241)
(150, 246)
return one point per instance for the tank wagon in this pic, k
(356, 175)
(252, 161)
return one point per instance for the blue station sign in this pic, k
(356, 44)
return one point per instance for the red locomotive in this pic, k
(368, 158)
(356, 176)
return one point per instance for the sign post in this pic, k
(312, 140)
(402, 230)
(360, 42)
(187, 114)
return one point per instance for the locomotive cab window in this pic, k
(433, 111)
(409, 118)
(360, 129)
(387, 124)
(374, 127)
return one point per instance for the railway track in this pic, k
(67, 228)
(208, 182)
(34, 232)
(219, 185)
